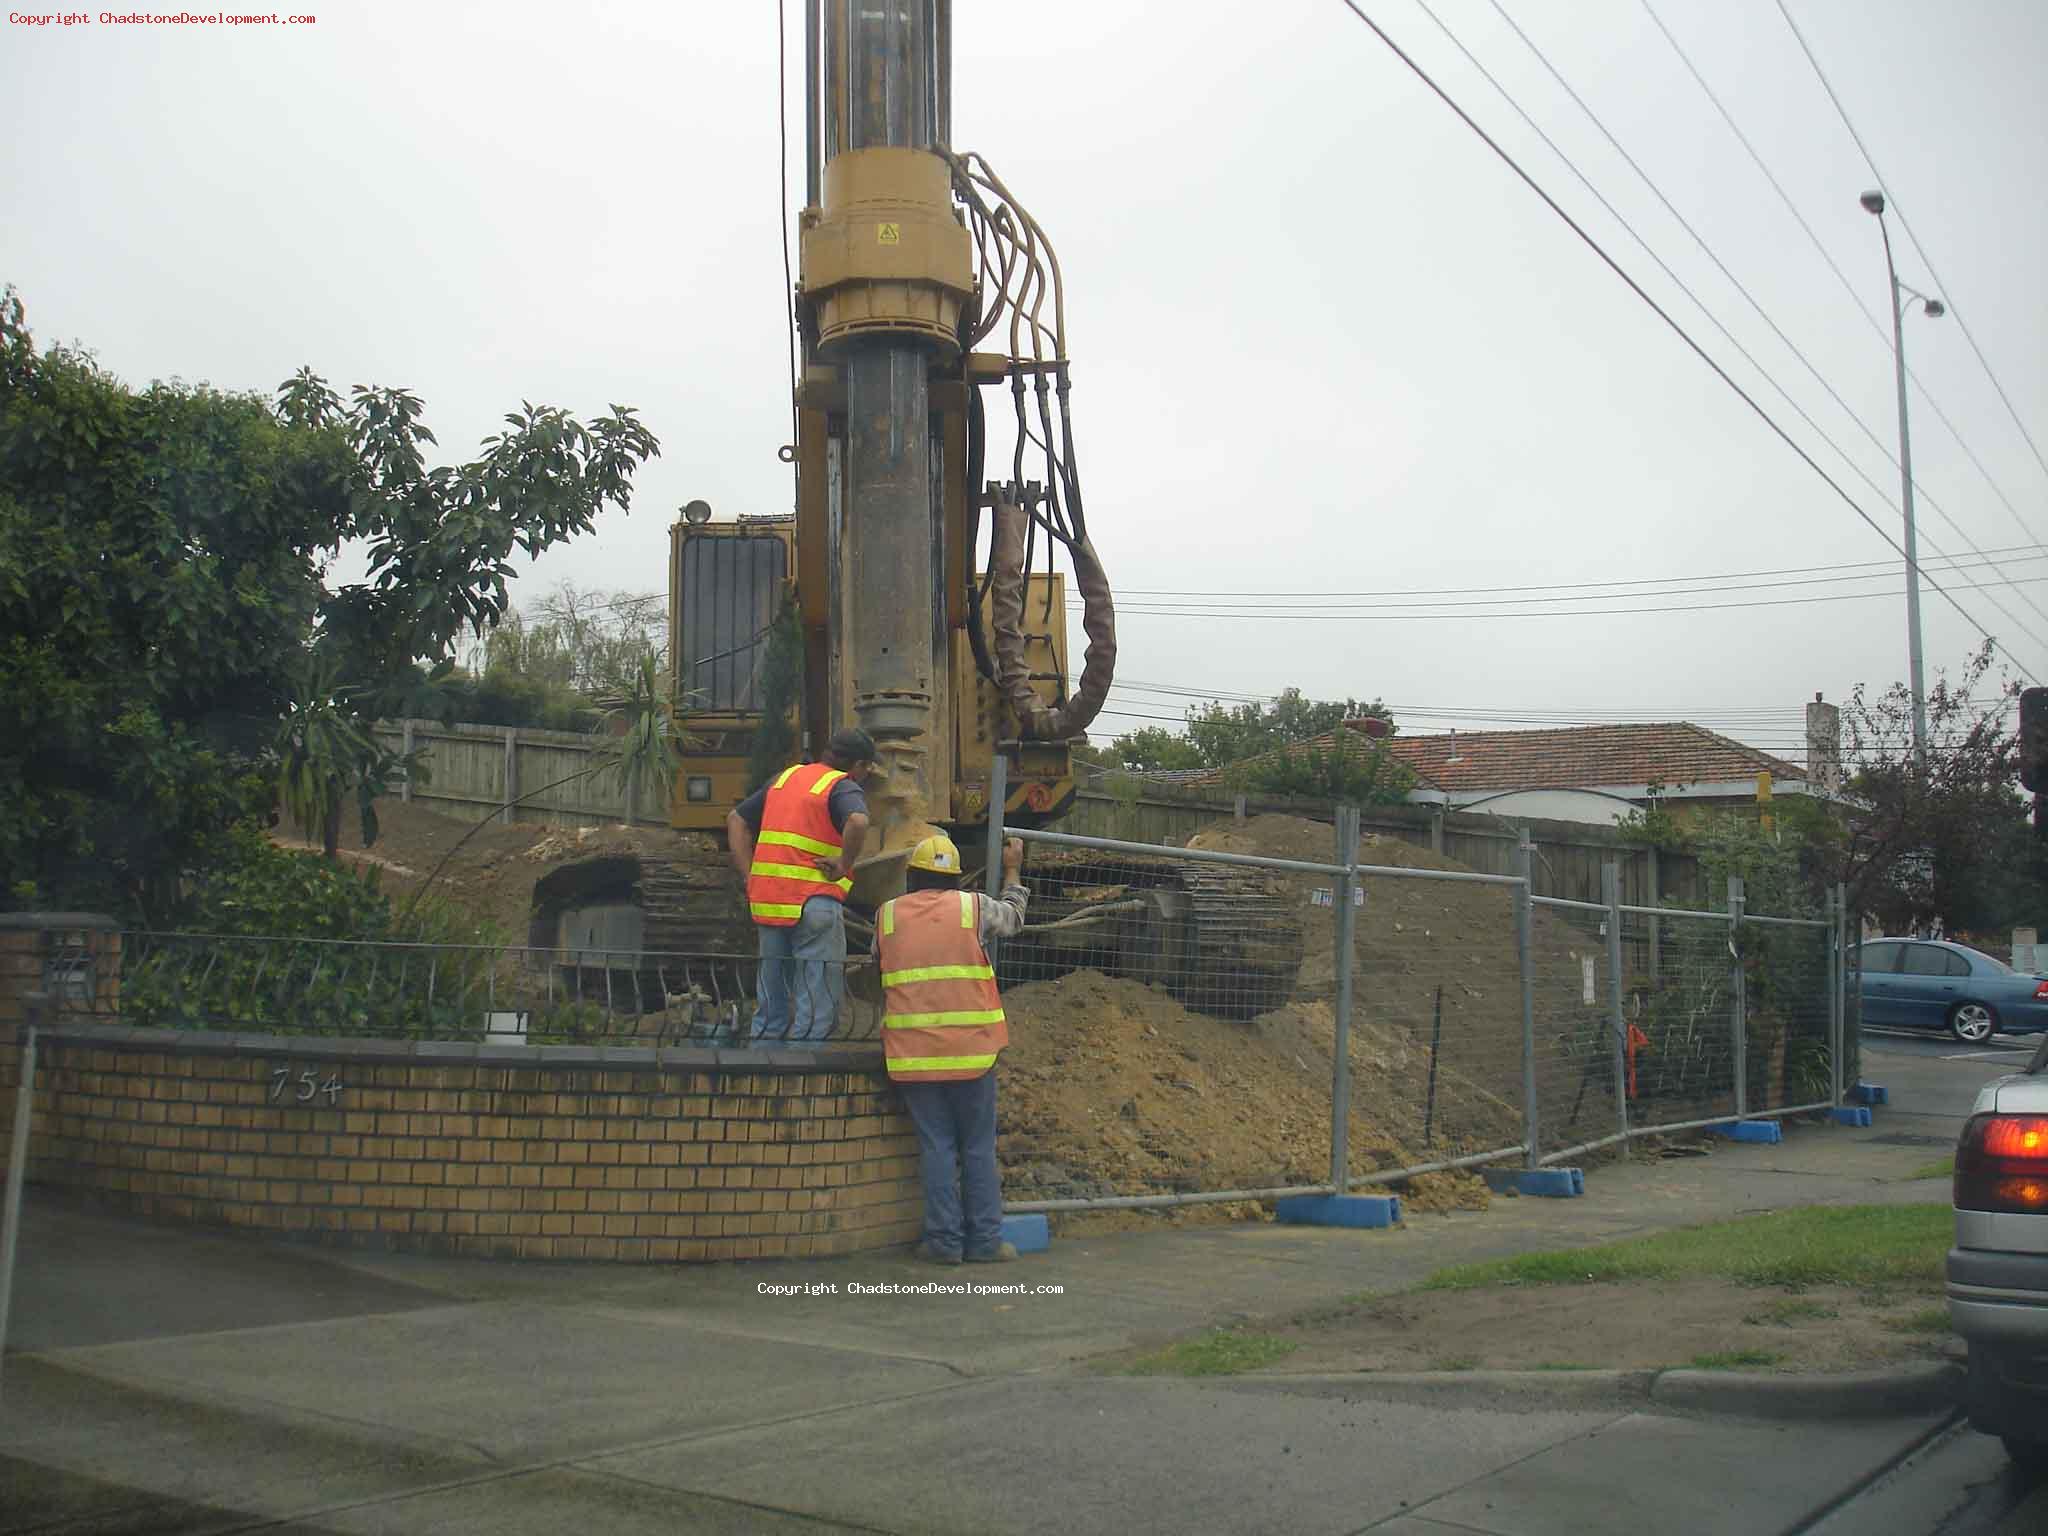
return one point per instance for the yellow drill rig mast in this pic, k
(902, 634)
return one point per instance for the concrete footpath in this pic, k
(166, 1380)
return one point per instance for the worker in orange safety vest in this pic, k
(942, 1029)
(795, 841)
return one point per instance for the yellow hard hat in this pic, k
(937, 854)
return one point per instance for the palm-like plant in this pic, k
(650, 749)
(324, 749)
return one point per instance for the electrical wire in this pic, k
(1663, 314)
(1751, 299)
(1843, 113)
(788, 278)
(1885, 567)
(1698, 303)
(1855, 297)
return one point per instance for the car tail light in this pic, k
(2041, 990)
(2002, 1164)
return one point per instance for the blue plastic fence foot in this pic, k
(1554, 1183)
(1030, 1234)
(1849, 1114)
(1869, 1093)
(1766, 1131)
(1339, 1210)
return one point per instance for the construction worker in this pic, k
(942, 1028)
(795, 840)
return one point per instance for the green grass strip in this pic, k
(1219, 1352)
(1870, 1247)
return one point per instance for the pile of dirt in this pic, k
(1111, 1087)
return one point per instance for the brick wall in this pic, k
(535, 1152)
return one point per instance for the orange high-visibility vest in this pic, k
(942, 1018)
(797, 842)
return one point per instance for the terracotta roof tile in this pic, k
(1581, 757)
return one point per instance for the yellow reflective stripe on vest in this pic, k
(782, 778)
(967, 909)
(909, 1064)
(938, 973)
(940, 1020)
(826, 780)
(798, 841)
(803, 872)
(774, 909)
(887, 917)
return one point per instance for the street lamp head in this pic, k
(1873, 202)
(1934, 309)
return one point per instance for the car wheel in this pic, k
(1971, 1023)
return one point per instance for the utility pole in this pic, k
(1873, 202)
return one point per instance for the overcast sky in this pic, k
(1325, 341)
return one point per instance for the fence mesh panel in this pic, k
(1678, 1001)
(1436, 1054)
(1785, 991)
(1573, 1032)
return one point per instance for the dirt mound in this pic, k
(1112, 1087)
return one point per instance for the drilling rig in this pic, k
(925, 286)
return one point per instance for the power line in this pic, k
(1750, 298)
(1855, 297)
(1662, 314)
(1868, 160)
(1294, 613)
(1381, 599)
(1686, 288)
(1883, 567)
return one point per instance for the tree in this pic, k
(1950, 841)
(163, 603)
(1220, 734)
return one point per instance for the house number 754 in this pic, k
(303, 1087)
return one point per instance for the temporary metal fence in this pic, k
(1450, 1018)
(487, 994)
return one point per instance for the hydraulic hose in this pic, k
(1006, 606)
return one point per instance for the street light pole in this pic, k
(1874, 203)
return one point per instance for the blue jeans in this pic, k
(956, 1155)
(803, 975)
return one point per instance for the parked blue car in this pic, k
(1933, 984)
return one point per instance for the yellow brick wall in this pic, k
(637, 1164)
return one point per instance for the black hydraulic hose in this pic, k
(977, 452)
(1073, 475)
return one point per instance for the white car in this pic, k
(1998, 1269)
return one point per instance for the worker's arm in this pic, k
(743, 828)
(1004, 917)
(851, 838)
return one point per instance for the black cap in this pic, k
(851, 744)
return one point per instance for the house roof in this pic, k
(1586, 757)
(1582, 757)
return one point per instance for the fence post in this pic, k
(1738, 1008)
(1654, 898)
(1525, 961)
(998, 792)
(1340, 1085)
(405, 746)
(511, 773)
(1610, 890)
(1842, 992)
(34, 1006)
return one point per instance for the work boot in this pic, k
(1002, 1253)
(933, 1255)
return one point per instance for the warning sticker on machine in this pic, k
(888, 234)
